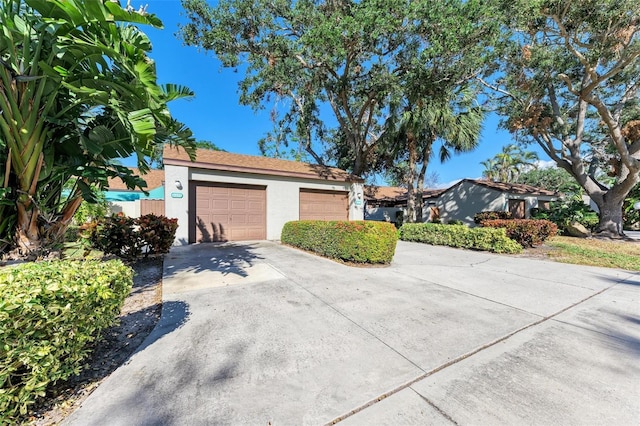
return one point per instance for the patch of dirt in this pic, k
(140, 314)
(542, 252)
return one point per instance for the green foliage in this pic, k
(91, 211)
(564, 212)
(552, 179)
(568, 83)
(527, 232)
(343, 63)
(460, 236)
(130, 238)
(50, 313)
(630, 214)
(480, 217)
(455, 222)
(351, 241)
(77, 92)
(508, 165)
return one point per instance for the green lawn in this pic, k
(594, 252)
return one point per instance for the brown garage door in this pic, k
(324, 205)
(224, 212)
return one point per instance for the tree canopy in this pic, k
(570, 84)
(339, 66)
(77, 92)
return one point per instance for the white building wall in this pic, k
(282, 193)
(176, 200)
(129, 208)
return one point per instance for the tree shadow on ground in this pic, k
(226, 258)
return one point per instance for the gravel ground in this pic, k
(140, 314)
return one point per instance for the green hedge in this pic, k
(527, 232)
(460, 236)
(357, 241)
(50, 312)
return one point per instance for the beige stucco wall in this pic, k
(282, 194)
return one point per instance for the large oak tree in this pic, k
(570, 84)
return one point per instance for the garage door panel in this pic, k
(225, 212)
(324, 205)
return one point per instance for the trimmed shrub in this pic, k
(50, 313)
(527, 232)
(455, 222)
(460, 236)
(356, 241)
(480, 217)
(130, 238)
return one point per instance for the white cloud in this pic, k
(546, 164)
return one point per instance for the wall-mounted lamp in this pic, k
(178, 184)
(359, 196)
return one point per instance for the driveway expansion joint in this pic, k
(463, 356)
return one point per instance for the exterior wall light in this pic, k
(178, 184)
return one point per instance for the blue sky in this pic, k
(216, 115)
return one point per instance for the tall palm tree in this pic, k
(77, 91)
(450, 117)
(507, 165)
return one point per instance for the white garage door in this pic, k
(324, 205)
(224, 212)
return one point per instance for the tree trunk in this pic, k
(426, 155)
(611, 223)
(411, 178)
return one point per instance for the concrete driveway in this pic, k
(262, 334)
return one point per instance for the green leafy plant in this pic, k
(50, 313)
(480, 217)
(460, 236)
(527, 232)
(352, 241)
(564, 212)
(455, 222)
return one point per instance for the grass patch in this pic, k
(594, 252)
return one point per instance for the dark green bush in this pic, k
(50, 312)
(130, 238)
(527, 232)
(460, 236)
(357, 241)
(480, 217)
(455, 222)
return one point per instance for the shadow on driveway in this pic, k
(224, 258)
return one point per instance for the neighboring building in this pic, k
(468, 197)
(135, 203)
(464, 199)
(382, 202)
(230, 197)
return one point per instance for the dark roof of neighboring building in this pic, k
(154, 179)
(221, 160)
(394, 194)
(383, 193)
(514, 188)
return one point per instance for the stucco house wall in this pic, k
(282, 195)
(462, 201)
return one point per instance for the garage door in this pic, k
(224, 212)
(324, 205)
